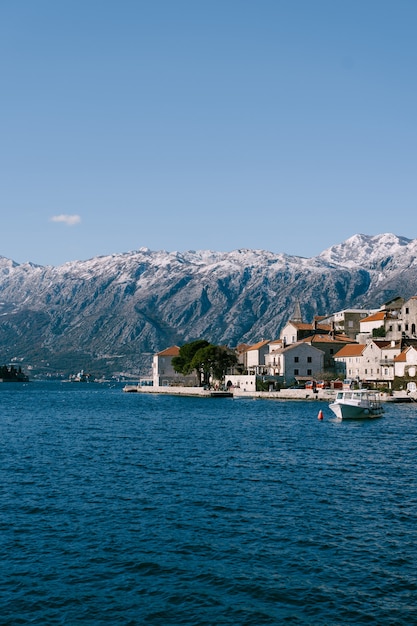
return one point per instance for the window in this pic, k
(406, 327)
(309, 372)
(406, 310)
(331, 350)
(309, 359)
(399, 326)
(295, 372)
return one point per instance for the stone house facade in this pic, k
(298, 361)
(370, 362)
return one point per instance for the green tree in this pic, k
(206, 359)
(378, 332)
(183, 362)
(213, 361)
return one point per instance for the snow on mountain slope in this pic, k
(365, 250)
(113, 309)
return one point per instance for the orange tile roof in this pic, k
(402, 357)
(172, 351)
(342, 337)
(318, 338)
(376, 317)
(351, 349)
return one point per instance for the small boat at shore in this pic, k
(357, 404)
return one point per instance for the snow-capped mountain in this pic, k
(365, 250)
(111, 313)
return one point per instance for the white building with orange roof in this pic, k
(296, 331)
(255, 357)
(398, 319)
(275, 345)
(297, 361)
(271, 358)
(405, 363)
(372, 322)
(348, 321)
(378, 360)
(163, 374)
(348, 360)
(370, 362)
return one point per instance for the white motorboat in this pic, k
(357, 404)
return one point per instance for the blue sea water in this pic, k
(129, 509)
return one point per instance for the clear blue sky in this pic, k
(205, 124)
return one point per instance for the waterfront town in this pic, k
(372, 347)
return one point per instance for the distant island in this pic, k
(12, 375)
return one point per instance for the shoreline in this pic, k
(283, 394)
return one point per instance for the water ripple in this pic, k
(127, 509)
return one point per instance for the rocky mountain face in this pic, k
(110, 314)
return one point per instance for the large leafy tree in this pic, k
(183, 362)
(206, 359)
(213, 361)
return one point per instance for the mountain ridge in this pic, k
(110, 313)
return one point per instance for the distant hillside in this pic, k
(109, 314)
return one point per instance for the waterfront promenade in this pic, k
(284, 394)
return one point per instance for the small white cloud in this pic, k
(69, 220)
